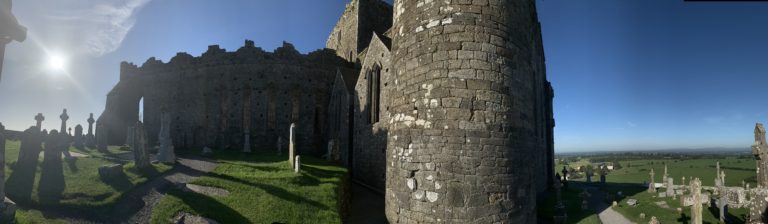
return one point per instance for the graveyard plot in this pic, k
(85, 194)
(572, 201)
(262, 188)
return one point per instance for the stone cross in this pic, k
(64, 117)
(279, 145)
(760, 151)
(39, 118)
(652, 185)
(560, 214)
(696, 196)
(297, 166)
(722, 202)
(683, 183)
(292, 144)
(79, 137)
(90, 125)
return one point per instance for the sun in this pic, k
(57, 62)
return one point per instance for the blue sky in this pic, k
(630, 74)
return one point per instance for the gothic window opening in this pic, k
(374, 92)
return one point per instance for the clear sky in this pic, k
(630, 74)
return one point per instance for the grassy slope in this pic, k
(263, 189)
(572, 203)
(84, 190)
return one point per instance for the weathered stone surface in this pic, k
(52, 184)
(139, 146)
(166, 152)
(760, 151)
(20, 183)
(512, 126)
(297, 166)
(188, 218)
(652, 184)
(7, 211)
(292, 145)
(79, 138)
(111, 171)
(697, 201)
(101, 137)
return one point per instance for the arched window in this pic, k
(374, 93)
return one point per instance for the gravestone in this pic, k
(90, 141)
(560, 216)
(722, 205)
(670, 186)
(247, 140)
(166, 153)
(603, 173)
(565, 178)
(39, 118)
(52, 184)
(654, 220)
(101, 137)
(20, 183)
(7, 207)
(64, 117)
(662, 194)
(292, 144)
(652, 185)
(631, 202)
(139, 146)
(584, 199)
(279, 145)
(697, 200)
(110, 171)
(79, 138)
(297, 166)
(329, 154)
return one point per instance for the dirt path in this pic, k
(606, 213)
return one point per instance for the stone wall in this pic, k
(355, 28)
(370, 129)
(467, 133)
(213, 98)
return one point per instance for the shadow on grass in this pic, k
(120, 182)
(72, 164)
(276, 191)
(209, 207)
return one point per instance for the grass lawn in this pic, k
(264, 189)
(647, 204)
(84, 191)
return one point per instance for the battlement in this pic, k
(217, 56)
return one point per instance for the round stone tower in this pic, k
(462, 138)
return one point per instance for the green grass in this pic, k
(572, 203)
(84, 191)
(263, 189)
(636, 172)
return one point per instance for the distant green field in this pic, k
(636, 171)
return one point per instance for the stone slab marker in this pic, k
(330, 150)
(292, 144)
(697, 200)
(652, 185)
(101, 137)
(52, 183)
(670, 186)
(139, 146)
(297, 166)
(279, 145)
(79, 138)
(166, 152)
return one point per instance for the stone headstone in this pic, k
(697, 201)
(652, 185)
(64, 117)
(139, 146)
(292, 144)
(166, 152)
(101, 137)
(722, 204)
(20, 183)
(329, 154)
(247, 140)
(670, 186)
(110, 171)
(51, 185)
(662, 194)
(79, 138)
(631, 202)
(297, 166)
(654, 220)
(642, 215)
(279, 145)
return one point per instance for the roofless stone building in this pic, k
(443, 105)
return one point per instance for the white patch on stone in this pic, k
(411, 183)
(433, 23)
(438, 186)
(433, 103)
(419, 194)
(432, 196)
(401, 34)
(446, 127)
(430, 178)
(468, 141)
(447, 21)
(430, 166)
(419, 29)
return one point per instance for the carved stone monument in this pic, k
(64, 117)
(696, 207)
(90, 140)
(79, 138)
(139, 146)
(52, 185)
(297, 166)
(760, 151)
(39, 118)
(166, 152)
(651, 185)
(292, 144)
(670, 186)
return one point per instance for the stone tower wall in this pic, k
(463, 143)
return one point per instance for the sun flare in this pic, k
(57, 62)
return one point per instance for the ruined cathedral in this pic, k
(441, 105)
